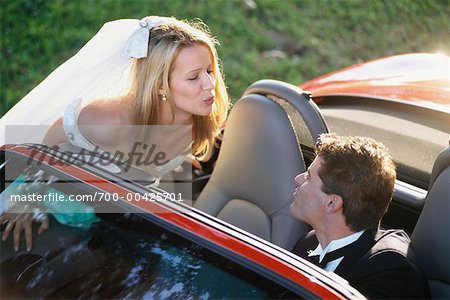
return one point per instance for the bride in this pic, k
(123, 87)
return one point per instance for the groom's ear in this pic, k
(334, 203)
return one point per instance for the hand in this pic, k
(194, 162)
(190, 159)
(19, 221)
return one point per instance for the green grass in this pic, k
(317, 36)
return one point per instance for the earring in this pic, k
(164, 97)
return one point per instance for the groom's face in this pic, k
(308, 199)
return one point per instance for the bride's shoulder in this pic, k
(101, 121)
(99, 112)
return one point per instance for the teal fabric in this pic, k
(70, 213)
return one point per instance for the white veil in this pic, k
(100, 69)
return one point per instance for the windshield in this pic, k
(116, 255)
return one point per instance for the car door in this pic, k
(131, 251)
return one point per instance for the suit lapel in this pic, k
(356, 251)
(305, 244)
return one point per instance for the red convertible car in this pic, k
(230, 235)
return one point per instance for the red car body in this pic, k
(282, 263)
(421, 79)
(417, 79)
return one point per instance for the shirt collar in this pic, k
(335, 244)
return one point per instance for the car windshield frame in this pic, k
(176, 215)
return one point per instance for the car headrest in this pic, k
(440, 164)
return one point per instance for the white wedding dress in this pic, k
(73, 133)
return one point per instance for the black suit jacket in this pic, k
(376, 264)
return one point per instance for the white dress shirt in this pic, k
(333, 245)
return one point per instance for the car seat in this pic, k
(252, 183)
(430, 241)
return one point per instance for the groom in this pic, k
(343, 196)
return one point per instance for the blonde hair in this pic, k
(152, 72)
